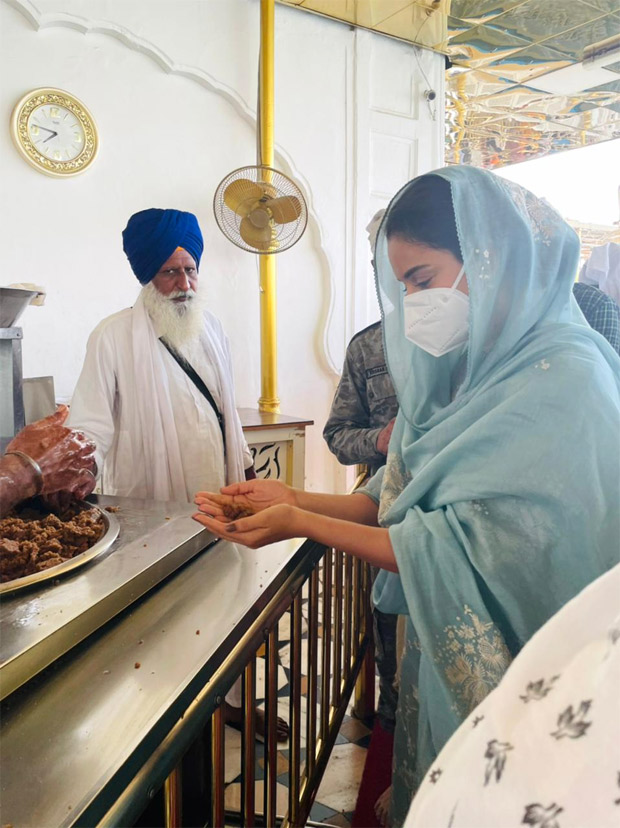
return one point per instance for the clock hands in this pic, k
(53, 133)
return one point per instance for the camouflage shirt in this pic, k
(364, 402)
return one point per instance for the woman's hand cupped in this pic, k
(248, 498)
(271, 524)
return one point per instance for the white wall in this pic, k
(172, 87)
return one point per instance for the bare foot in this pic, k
(233, 716)
(382, 807)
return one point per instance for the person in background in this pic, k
(543, 749)
(601, 312)
(602, 270)
(156, 393)
(364, 408)
(358, 431)
(499, 499)
(47, 459)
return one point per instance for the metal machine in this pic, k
(13, 303)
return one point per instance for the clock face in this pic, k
(54, 132)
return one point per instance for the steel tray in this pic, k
(98, 548)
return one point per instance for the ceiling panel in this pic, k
(540, 19)
(605, 6)
(496, 48)
(526, 64)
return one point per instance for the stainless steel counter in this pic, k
(42, 623)
(74, 735)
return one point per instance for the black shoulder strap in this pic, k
(191, 373)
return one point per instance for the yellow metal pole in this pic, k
(461, 98)
(268, 401)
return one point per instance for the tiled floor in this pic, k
(337, 794)
(335, 800)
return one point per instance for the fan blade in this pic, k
(257, 237)
(285, 209)
(241, 195)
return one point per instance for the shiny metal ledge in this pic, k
(44, 622)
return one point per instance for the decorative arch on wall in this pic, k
(50, 20)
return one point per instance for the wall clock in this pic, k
(54, 132)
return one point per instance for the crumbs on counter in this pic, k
(113, 509)
(141, 641)
(106, 672)
(197, 632)
(145, 545)
(137, 665)
(167, 518)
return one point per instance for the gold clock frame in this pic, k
(21, 138)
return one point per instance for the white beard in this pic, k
(180, 323)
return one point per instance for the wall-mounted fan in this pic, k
(260, 209)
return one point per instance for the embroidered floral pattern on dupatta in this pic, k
(474, 657)
(395, 478)
(542, 219)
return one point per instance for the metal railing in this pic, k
(322, 608)
(328, 617)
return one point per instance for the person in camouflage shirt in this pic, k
(358, 431)
(362, 414)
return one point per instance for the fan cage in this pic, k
(286, 235)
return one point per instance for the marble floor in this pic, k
(337, 794)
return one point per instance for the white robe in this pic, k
(157, 437)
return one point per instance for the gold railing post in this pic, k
(295, 712)
(172, 799)
(268, 401)
(365, 686)
(248, 745)
(338, 628)
(271, 731)
(327, 622)
(217, 768)
(348, 615)
(313, 644)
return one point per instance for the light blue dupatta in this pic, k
(501, 496)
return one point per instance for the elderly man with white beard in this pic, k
(156, 391)
(157, 435)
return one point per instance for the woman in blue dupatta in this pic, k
(499, 498)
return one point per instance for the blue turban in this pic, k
(152, 236)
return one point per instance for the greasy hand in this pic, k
(65, 456)
(272, 524)
(253, 495)
(383, 440)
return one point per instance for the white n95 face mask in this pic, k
(437, 319)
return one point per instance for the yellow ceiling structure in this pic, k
(499, 108)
